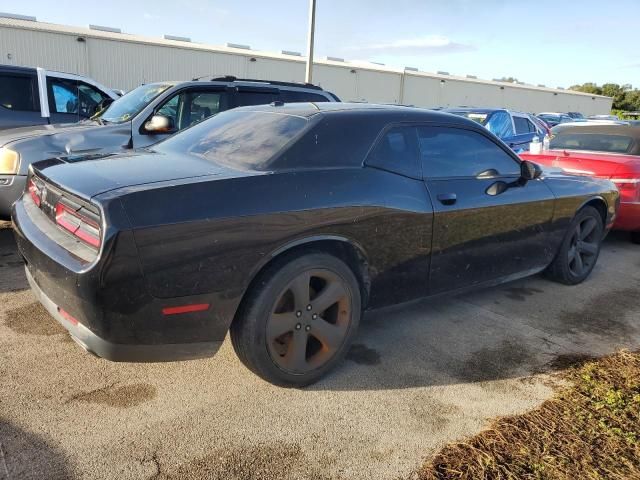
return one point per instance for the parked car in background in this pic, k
(516, 129)
(603, 117)
(602, 151)
(554, 119)
(34, 96)
(282, 223)
(575, 115)
(140, 118)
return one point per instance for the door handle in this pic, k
(447, 198)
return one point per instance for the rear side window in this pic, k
(396, 151)
(17, 92)
(64, 95)
(239, 139)
(249, 97)
(500, 125)
(293, 97)
(523, 126)
(452, 152)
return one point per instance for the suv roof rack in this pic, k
(231, 78)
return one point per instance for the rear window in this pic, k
(239, 139)
(591, 142)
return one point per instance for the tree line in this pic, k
(625, 97)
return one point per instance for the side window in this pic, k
(18, 93)
(522, 125)
(248, 97)
(63, 95)
(396, 151)
(89, 99)
(500, 125)
(451, 152)
(532, 127)
(189, 107)
(289, 96)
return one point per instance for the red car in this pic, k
(603, 151)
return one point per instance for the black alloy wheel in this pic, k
(580, 248)
(299, 319)
(584, 246)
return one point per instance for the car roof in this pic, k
(15, 68)
(394, 113)
(244, 82)
(474, 110)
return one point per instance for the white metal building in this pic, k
(124, 61)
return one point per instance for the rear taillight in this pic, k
(35, 192)
(629, 189)
(82, 226)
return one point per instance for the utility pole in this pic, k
(312, 30)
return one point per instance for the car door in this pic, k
(185, 108)
(19, 103)
(488, 223)
(64, 102)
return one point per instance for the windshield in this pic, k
(594, 142)
(128, 106)
(243, 140)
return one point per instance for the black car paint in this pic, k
(205, 236)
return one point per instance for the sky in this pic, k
(555, 43)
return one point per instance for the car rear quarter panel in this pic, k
(214, 237)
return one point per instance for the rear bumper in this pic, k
(628, 217)
(108, 309)
(10, 192)
(92, 343)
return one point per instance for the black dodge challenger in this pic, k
(282, 223)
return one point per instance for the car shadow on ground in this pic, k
(511, 331)
(12, 276)
(27, 456)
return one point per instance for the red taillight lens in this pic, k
(83, 227)
(629, 189)
(34, 191)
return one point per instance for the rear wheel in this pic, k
(299, 320)
(635, 237)
(580, 248)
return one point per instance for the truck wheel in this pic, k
(299, 320)
(580, 248)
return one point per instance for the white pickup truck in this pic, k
(35, 96)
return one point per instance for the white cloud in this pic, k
(429, 44)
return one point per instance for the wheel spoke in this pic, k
(281, 323)
(572, 254)
(296, 357)
(586, 228)
(589, 248)
(579, 266)
(330, 295)
(331, 336)
(300, 289)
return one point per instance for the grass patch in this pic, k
(588, 430)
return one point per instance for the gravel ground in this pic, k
(419, 376)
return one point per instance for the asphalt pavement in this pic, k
(419, 376)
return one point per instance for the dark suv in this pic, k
(142, 117)
(34, 96)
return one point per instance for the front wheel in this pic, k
(580, 248)
(299, 320)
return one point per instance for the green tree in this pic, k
(625, 97)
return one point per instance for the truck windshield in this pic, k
(128, 106)
(244, 140)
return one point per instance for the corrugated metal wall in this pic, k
(125, 61)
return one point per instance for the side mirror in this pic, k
(529, 170)
(159, 124)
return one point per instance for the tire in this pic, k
(579, 251)
(286, 336)
(635, 237)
